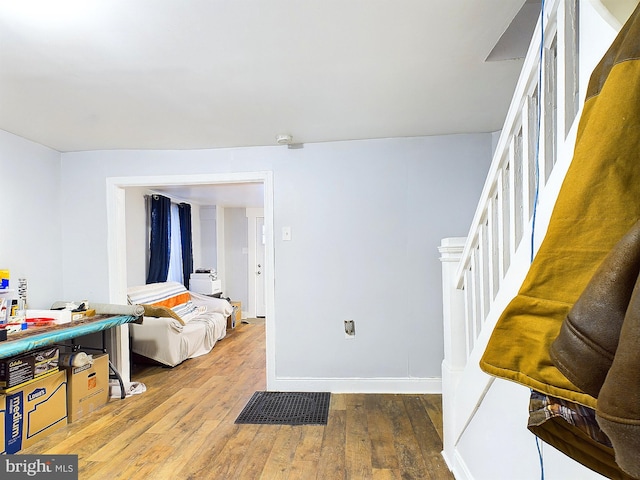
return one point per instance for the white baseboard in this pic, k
(447, 460)
(459, 468)
(359, 385)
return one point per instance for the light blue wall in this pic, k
(366, 219)
(31, 228)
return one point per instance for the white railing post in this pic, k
(455, 350)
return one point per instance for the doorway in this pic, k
(117, 241)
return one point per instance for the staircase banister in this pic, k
(529, 69)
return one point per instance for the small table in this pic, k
(38, 337)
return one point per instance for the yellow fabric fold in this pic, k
(161, 311)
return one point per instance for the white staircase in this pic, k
(485, 434)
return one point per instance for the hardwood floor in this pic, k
(183, 427)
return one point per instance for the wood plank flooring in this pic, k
(183, 427)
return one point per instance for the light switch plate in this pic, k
(286, 234)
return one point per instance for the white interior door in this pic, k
(260, 253)
(256, 266)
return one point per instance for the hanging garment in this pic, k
(588, 339)
(573, 429)
(598, 203)
(618, 409)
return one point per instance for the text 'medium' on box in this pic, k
(30, 412)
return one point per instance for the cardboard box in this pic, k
(17, 370)
(29, 413)
(237, 311)
(236, 316)
(88, 387)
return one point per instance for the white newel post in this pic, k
(455, 355)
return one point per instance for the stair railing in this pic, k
(481, 275)
(537, 129)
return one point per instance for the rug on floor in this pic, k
(286, 408)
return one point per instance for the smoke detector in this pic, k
(284, 139)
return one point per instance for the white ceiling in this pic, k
(186, 74)
(228, 195)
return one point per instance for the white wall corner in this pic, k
(459, 468)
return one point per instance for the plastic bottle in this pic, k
(3, 310)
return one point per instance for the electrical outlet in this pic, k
(349, 328)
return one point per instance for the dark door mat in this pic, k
(286, 408)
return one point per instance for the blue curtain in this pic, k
(160, 246)
(186, 240)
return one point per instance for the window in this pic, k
(175, 247)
